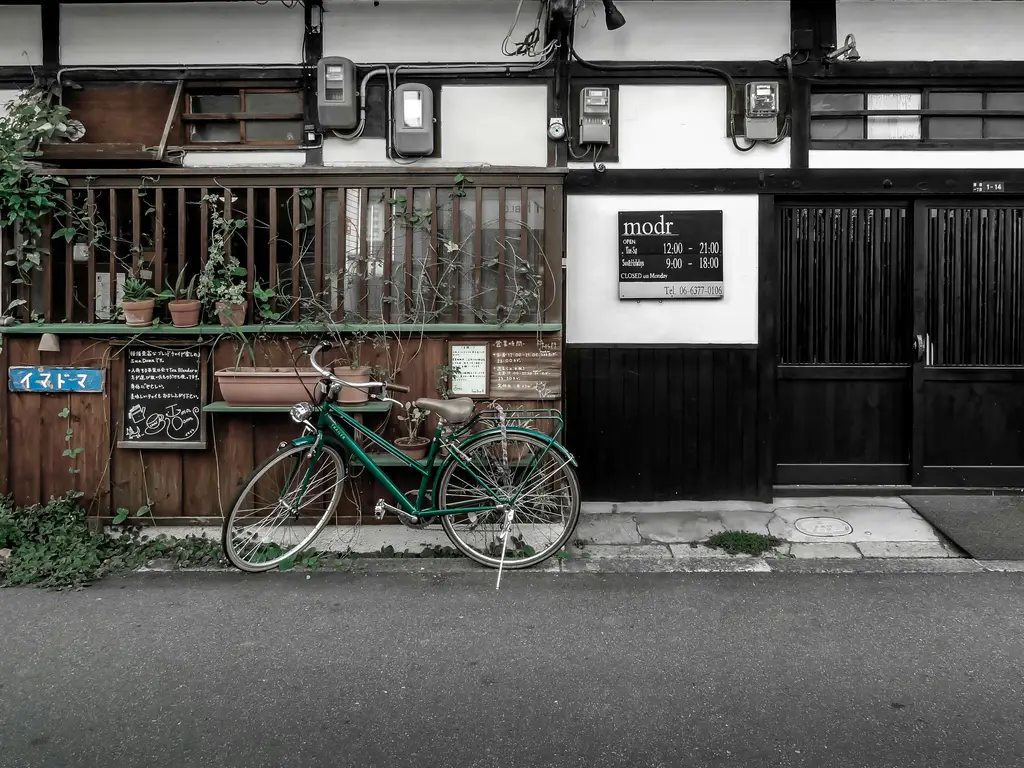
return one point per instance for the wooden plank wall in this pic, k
(187, 485)
(659, 423)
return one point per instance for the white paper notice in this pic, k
(469, 369)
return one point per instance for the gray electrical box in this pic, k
(761, 108)
(413, 117)
(337, 102)
(595, 116)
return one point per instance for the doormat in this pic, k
(986, 527)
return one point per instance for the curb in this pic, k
(463, 566)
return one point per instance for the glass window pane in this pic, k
(216, 103)
(273, 103)
(836, 102)
(954, 128)
(273, 130)
(1004, 128)
(954, 101)
(216, 132)
(837, 130)
(893, 126)
(1006, 101)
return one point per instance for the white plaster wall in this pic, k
(696, 30)
(669, 126)
(181, 33)
(480, 125)
(246, 158)
(442, 31)
(828, 158)
(5, 97)
(934, 30)
(596, 315)
(21, 37)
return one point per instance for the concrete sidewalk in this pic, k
(834, 528)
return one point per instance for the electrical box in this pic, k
(413, 120)
(337, 101)
(762, 111)
(595, 116)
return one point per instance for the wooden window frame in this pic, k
(924, 143)
(190, 118)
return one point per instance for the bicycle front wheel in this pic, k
(282, 507)
(544, 514)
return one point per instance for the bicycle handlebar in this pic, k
(357, 385)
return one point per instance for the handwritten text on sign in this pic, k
(526, 369)
(24, 378)
(469, 369)
(163, 397)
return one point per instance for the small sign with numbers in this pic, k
(670, 255)
(43, 378)
(469, 369)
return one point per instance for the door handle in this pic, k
(920, 346)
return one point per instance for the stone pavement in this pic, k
(834, 528)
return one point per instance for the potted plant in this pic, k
(138, 302)
(355, 371)
(185, 308)
(222, 279)
(414, 446)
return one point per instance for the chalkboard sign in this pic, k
(670, 255)
(526, 368)
(164, 395)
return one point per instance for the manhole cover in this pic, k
(823, 526)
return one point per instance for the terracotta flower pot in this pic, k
(357, 376)
(413, 447)
(138, 313)
(185, 314)
(230, 314)
(267, 386)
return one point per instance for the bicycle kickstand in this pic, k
(506, 531)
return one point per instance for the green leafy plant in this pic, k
(179, 291)
(137, 290)
(222, 277)
(743, 542)
(28, 196)
(265, 301)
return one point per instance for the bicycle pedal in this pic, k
(379, 509)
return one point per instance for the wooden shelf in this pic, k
(220, 406)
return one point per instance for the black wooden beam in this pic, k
(882, 182)
(812, 27)
(767, 344)
(50, 23)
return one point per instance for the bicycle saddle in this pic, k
(454, 411)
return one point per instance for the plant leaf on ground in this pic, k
(743, 542)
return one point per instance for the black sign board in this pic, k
(670, 255)
(164, 395)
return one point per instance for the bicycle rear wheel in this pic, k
(256, 539)
(544, 516)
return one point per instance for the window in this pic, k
(244, 117)
(924, 119)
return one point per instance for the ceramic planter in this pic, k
(185, 314)
(138, 313)
(267, 386)
(357, 376)
(230, 314)
(413, 447)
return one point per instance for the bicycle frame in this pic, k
(327, 427)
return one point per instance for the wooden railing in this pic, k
(397, 249)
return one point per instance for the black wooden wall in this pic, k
(663, 423)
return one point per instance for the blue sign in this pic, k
(28, 378)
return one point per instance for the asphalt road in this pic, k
(554, 670)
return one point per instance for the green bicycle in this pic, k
(507, 496)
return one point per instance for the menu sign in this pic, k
(164, 395)
(670, 255)
(526, 369)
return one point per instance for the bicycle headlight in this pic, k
(301, 412)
